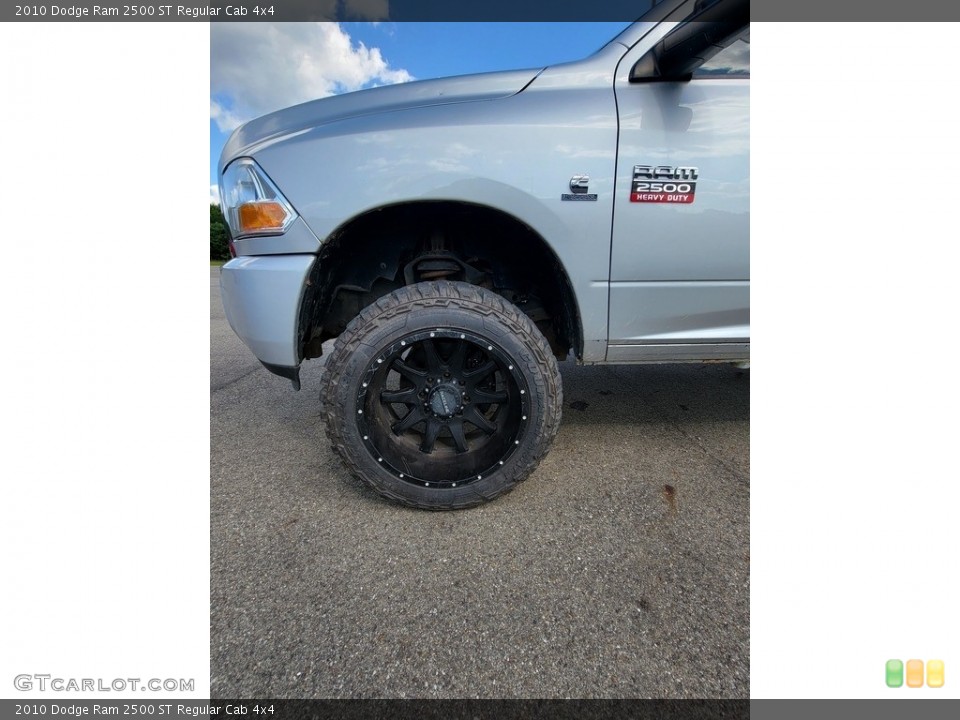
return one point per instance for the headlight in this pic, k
(252, 204)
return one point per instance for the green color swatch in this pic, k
(894, 673)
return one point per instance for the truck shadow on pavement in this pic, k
(654, 393)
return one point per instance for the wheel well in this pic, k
(397, 245)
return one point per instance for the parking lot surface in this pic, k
(619, 569)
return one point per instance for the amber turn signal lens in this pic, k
(261, 215)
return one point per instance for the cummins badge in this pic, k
(579, 185)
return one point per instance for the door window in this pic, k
(731, 62)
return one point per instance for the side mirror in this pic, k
(691, 44)
(650, 68)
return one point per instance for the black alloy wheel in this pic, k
(442, 395)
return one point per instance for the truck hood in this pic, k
(465, 88)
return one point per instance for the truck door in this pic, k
(680, 265)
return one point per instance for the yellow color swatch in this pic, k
(935, 673)
(914, 673)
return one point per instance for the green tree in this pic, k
(219, 235)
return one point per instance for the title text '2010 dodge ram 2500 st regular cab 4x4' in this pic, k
(457, 236)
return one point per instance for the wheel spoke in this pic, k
(433, 359)
(455, 363)
(473, 416)
(486, 396)
(407, 396)
(456, 431)
(481, 372)
(430, 436)
(409, 420)
(410, 373)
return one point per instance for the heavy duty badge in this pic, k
(663, 184)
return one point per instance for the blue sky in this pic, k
(259, 67)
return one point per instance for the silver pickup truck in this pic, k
(459, 236)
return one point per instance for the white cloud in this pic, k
(214, 194)
(226, 119)
(256, 68)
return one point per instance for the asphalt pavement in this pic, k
(619, 569)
